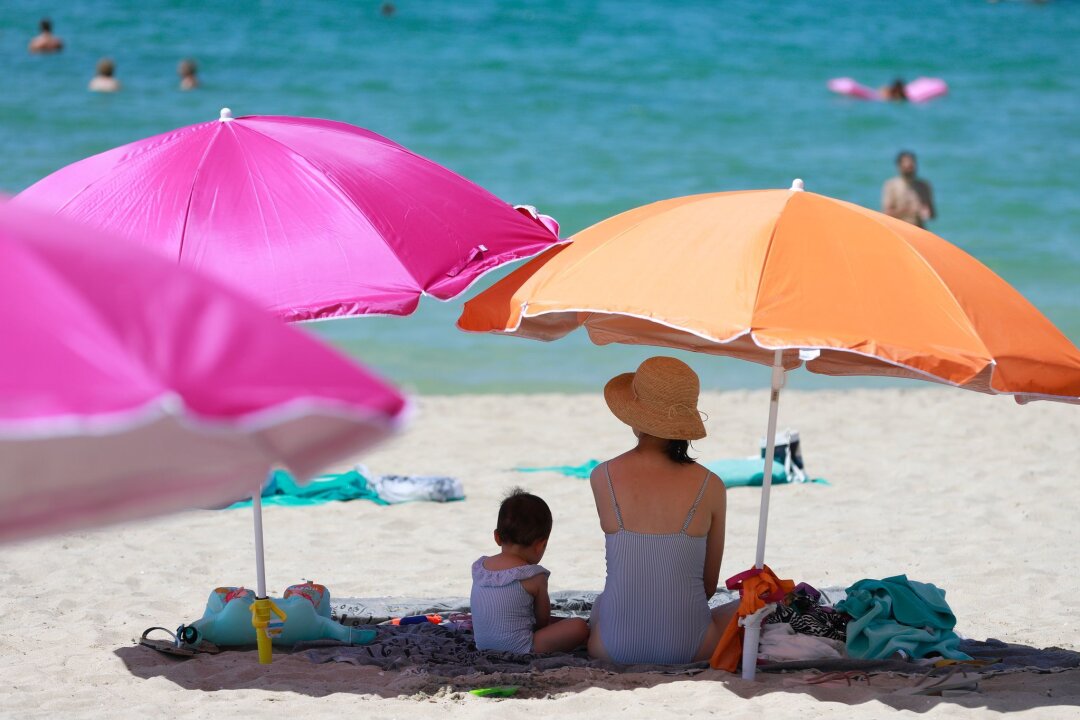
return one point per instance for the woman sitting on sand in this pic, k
(663, 515)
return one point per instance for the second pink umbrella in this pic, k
(130, 387)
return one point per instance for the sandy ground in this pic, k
(975, 494)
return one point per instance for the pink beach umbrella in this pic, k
(311, 218)
(130, 387)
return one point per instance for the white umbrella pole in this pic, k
(770, 449)
(262, 608)
(753, 626)
(260, 565)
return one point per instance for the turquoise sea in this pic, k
(589, 108)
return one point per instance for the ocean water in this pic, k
(586, 109)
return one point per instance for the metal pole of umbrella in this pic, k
(260, 563)
(770, 450)
(263, 607)
(753, 628)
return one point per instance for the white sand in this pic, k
(972, 493)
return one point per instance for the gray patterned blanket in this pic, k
(450, 652)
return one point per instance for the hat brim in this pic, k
(619, 395)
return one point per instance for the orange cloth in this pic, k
(757, 589)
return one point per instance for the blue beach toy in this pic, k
(304, 616)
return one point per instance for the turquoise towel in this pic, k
(745, 472)
(735, 472)
(282, 489)
(897, 614)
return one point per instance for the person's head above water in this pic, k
(106, 67)
(186, 70)
(659, 399)
(905, 163)
(45, 25)
(524, 521)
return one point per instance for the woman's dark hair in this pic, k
(676, 450)
(523, 519)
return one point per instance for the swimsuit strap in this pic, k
(614, 502)
(693, 508)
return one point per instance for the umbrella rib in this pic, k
(258, 203)
(191, 191)
(764, 266)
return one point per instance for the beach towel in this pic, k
(395, 489)
(282, 489)
(898, 615)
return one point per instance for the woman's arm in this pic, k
(537, 586)
(714, 552)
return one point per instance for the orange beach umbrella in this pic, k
(787, 278)
(825, 283)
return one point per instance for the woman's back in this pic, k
(653, 608)
(654, 495)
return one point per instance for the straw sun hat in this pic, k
(659, 399)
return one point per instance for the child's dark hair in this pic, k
(523, 519)
(677, 451)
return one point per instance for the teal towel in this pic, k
(735, 472)
(575, 471)
(745, 472)
(897, 614)
(282, 489)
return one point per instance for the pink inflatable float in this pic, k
(918, 90)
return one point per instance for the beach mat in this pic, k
(447, 652)
(450, 652)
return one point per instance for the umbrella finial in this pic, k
(226, 115)
(797, 185)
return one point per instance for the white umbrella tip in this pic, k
(226, 115)
(796, 184)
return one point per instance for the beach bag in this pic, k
(788, 452)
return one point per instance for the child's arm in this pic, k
(537, 586)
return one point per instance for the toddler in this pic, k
(510, 606)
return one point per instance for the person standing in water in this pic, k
(906, 196)
(45, 42)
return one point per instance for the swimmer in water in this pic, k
(186, 70)
(104, 81)
(45, 42)
(894, 91)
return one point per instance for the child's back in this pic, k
(511, 610)
(503, 611)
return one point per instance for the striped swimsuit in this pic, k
(653, 608)
(503, 612)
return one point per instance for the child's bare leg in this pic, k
(561, 636)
